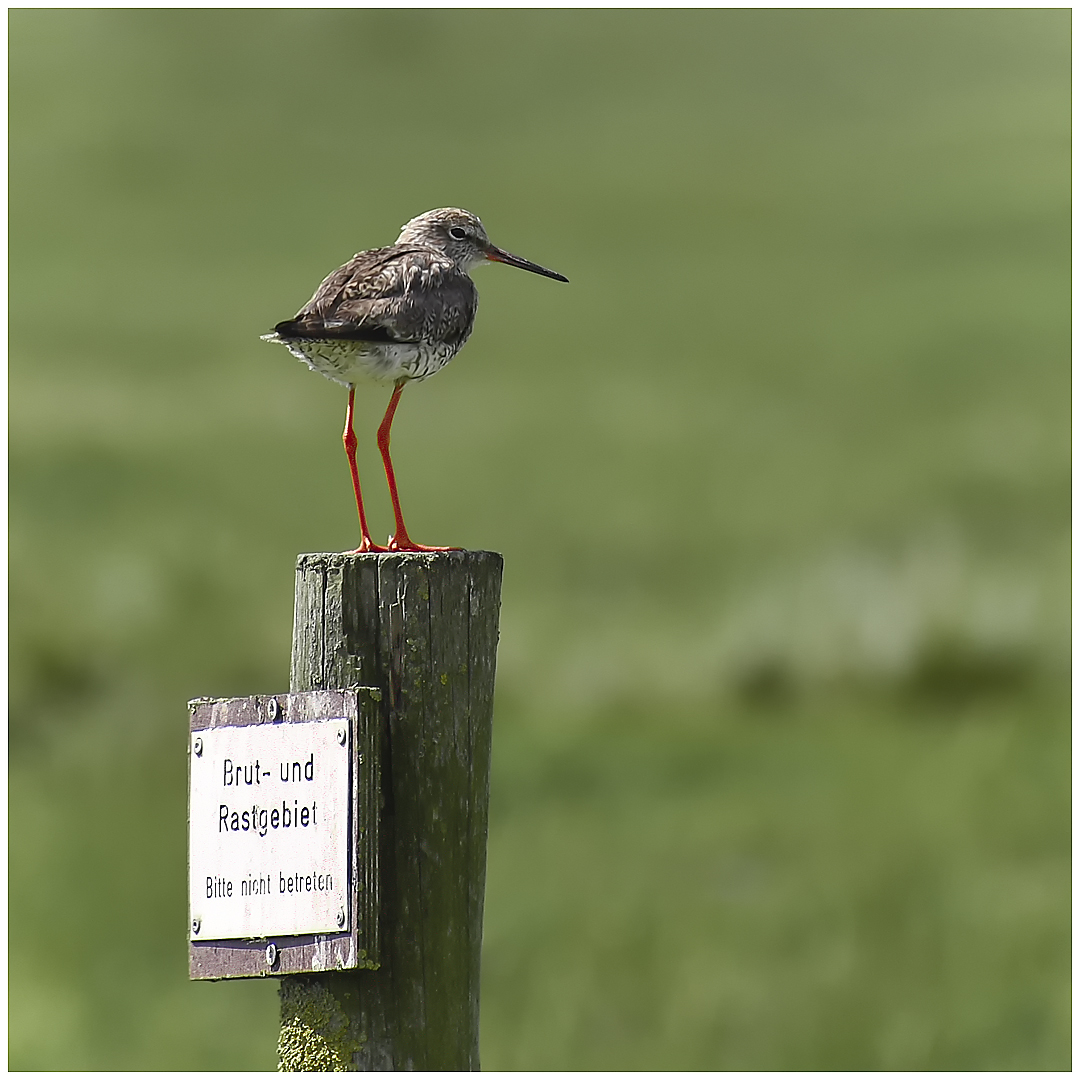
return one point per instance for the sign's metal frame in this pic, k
(357, 946)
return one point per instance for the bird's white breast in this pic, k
(349, 362)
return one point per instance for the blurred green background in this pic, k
(781, 763)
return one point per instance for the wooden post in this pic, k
(423, 629)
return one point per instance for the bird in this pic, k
(396, 315)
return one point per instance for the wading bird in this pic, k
(396, 314)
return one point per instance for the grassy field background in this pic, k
(782, 481)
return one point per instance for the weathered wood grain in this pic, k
(423, 630)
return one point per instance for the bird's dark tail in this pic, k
(317, 330)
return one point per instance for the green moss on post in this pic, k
(423, 629)
(317, 1035)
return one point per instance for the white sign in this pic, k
(268, 830)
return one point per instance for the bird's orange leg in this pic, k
(400, 540)
(349, 439)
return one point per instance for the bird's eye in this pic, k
(457, 232)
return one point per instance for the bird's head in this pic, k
(461, 236)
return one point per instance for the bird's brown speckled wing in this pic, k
(400, 293)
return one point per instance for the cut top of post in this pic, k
(352, 609)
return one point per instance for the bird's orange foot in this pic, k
(366, 546)
(403, 543)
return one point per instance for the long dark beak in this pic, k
(496, 254)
